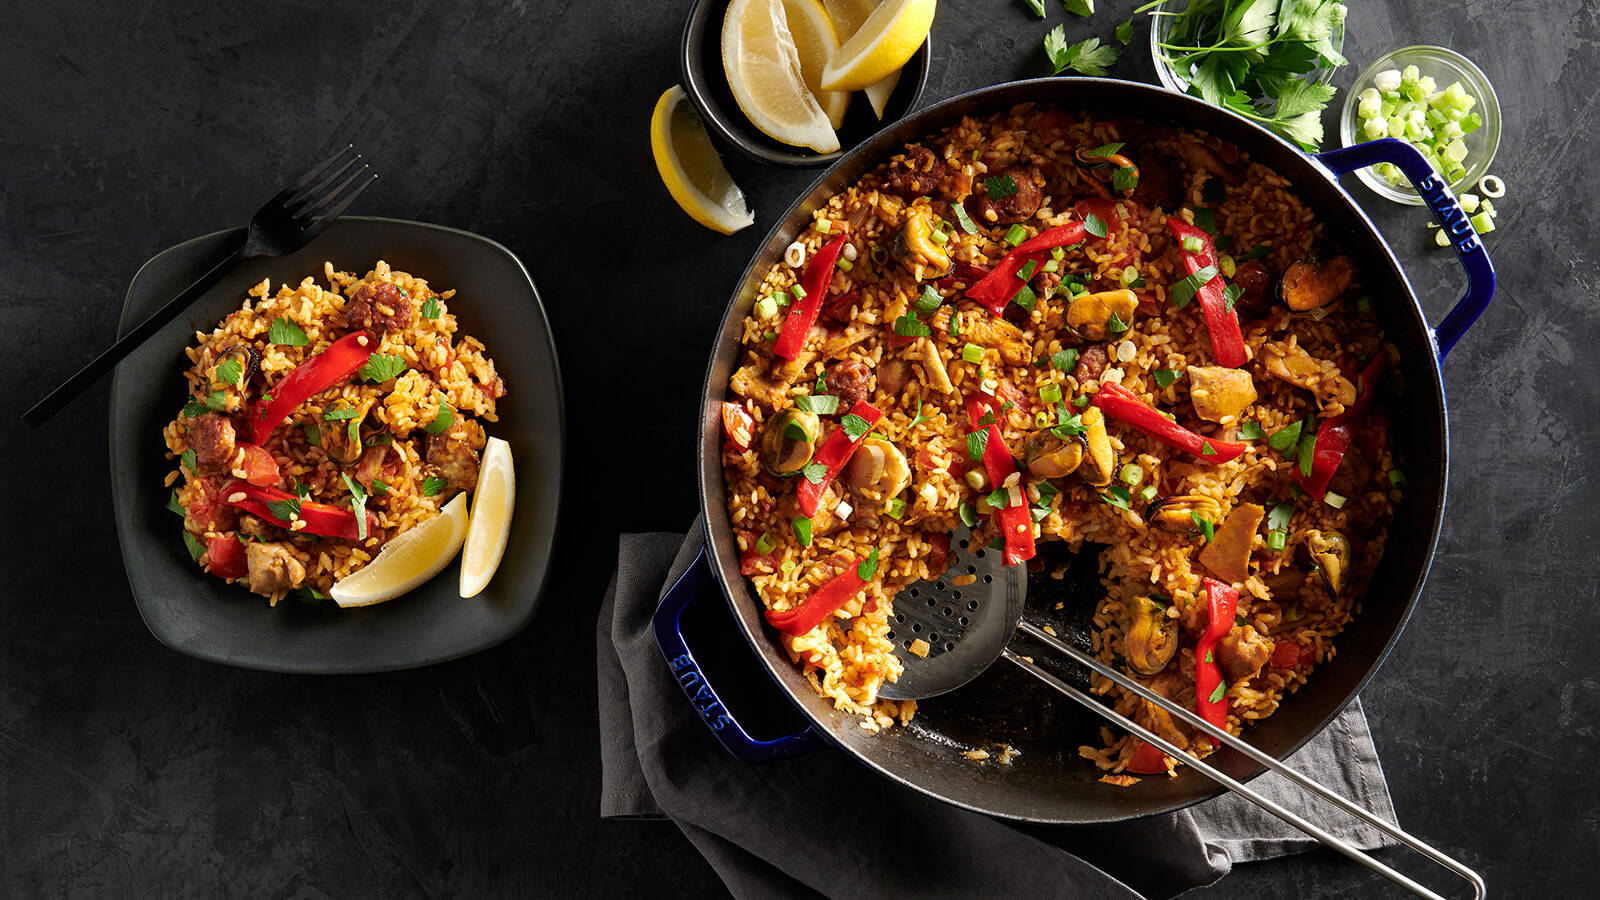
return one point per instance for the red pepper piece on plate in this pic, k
(997, 288)
(225, 555)
(320, 518)
(737, 425)
(1334, 436)
(1014, 520)
(1210, 694)
(823, 602)
(834, 453)
(333, 365)
(1121, 404)
(803, 312)
(1222, 323)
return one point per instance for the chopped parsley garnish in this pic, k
(1185, 289)
(1206, 449)
(340, 413)
(217, 401)
(1118, 496)
(430, 308)
(1116, 325)
(358, 505)
(284, 332)
(929, 301)
(1068, 425)
(1088, 56)
(818, 404)
(1220, 692)
(1125, 179)
(1230, 296)
(1094, 225)
(869, 566)
(919, 418)
(1251, 430)
(229, 371)
(969, 515)
(1286, 437)
(909, 325)
(802, 530)
(896, 508)
(999, 498)
(1025, 298)
(814, 472)
(1105, 150)
(1204, 525)
(379, 487)
(381, 367)
(1065, 360)
(1165, 377)
(1308, 450)
(197, 549)
(1214, 191)
(187, 458)
(999, 186)
(284, 510)
(313, 433)
(174, 506)
(432, 485)
(1259, 251)
(442, 422)
(193, 408)
(855, 426)
(1027, 270)
(1079, 7)
(964, 220)
(310, 596)
(1205, 219)
(1124, 32)
(977, 442)
(1278, 517)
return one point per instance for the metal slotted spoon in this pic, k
(970, 616)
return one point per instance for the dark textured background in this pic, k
(126, 127)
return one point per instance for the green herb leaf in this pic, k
(174, 506)
(1308, 450)
(310, 596)
(284, 510)
(964, 220)
(1065, 360)
(196, 547)
(1204, 525)
(1125, 179)
(379, 487)
(999, 498)
(1116, 325)
(432, 485)
(1165, 377)
(969, 515)
(802, 530)
(919, 418)
(1027, 270)
(1087, 56)
(1124, 32)
(814, 472)
(229, 371)
(817, 404)
(445, 418)
(381, 367)
(1083, 8)
(1285, 438)
(896, 508)
(285, 333)
(977, 442)
(1025, 298)
(313, 433)
(217, 401)
(1106, 150)
(1251, 430)
(908, 325)
(340, 413)
(1278, 517)
(929, 301)
(1220, 692)
(1000, 186)
(1230, 296)
(1206, 449)
(868, 567)
(855, 426)
(1094, 225)
(430, 308)
(187, 458)
(1118, 496)
(1185, 289)
(1205, 220)
(193, 408)
(1259, 251)
(358, 505)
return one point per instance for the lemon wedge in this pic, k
(691, 168)
(408, 560)
(491, 518)
(763, 67)
(815, 42)
(884, 42)
(848, 16)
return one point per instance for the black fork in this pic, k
(283, 225)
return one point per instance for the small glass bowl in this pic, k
(1161, 26)
(1446, 66)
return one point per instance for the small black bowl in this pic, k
(707, 87)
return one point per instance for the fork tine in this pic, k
(282, 197)
(304, 201)
(337, 210)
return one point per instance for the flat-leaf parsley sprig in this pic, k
(1236, 53)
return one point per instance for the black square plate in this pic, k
(203, 616)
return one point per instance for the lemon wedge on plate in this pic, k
(763, 68)
(408, 560)
(815, 42)
(848, 17)
(691, 168)
(491, 518)
(884, 42)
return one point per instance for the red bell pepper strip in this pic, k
(1222, 323)
(1120, 403)
(737, 425)
(320, 518)
(333, 365)
(834, 453)
(1335, 434)
(1146, 760)
(1210, 696)
(225, 556)
(823, 602)
(1000, 285)
(803, 313)
(1014, 521)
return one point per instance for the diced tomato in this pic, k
(928, 461)
(1147, 760)
(1107, 211)
(208, 507)
(225, 555)
(258, 466)
(737, 425)
(753, 561)
(1286, 654)
(1148, 304)
(838, 308)
(939, 556)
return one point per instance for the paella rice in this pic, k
(1115, 334)
(320, 422)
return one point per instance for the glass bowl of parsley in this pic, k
(1268, 61)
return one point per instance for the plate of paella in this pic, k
(308, 468)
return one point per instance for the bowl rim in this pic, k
(1473, 78)
(516, 604)
(732, 126)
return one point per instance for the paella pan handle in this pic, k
(1183, 713)
(1451, 217)
(667, 622)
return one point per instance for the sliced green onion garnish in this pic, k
(1192, 244)
(1397, 478)
(1016, 234)
(1050, 393)
(1132, 474)
(896, 508)
(765, 545)
(1334, 500)
(1276, 540)
(799, 292)
(972, 353)
(802, 530)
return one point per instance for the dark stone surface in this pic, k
(125, 128)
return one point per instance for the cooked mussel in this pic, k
(878, 470)
(1315, 281)
(1179, 512)
(789, 441)
(1328, 554)
(914, 246)
(1152, 636)
(1101, 458)
(1048, 455)
(1090, 315)
(340, 431)
(235, 368)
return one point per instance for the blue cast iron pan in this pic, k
(1048, 782)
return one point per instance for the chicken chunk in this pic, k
(1219, 393)
(1242, 652)
(454, 452)
(273, 567)
(1291, 363)
(998, 334)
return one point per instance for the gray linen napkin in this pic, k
(825, 824)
